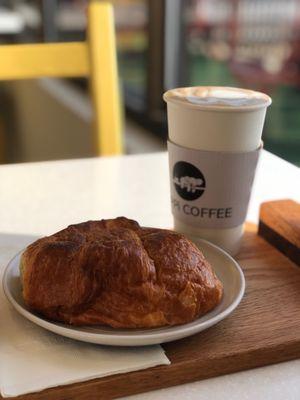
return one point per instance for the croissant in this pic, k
(117, 273)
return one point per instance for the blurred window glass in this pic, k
(253, 44)
(170, 43)
(66, 20)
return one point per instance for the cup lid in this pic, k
(218, 98)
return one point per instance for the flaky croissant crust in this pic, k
(116, 273)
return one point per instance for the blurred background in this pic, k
(161, 44)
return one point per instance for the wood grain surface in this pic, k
(264, 329)
(279, 224)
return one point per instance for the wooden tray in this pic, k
(265, 329)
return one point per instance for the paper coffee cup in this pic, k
(214, 144)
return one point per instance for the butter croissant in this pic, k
(116, 273)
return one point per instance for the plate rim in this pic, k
(159, 337)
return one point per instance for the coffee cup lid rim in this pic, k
(172, 97)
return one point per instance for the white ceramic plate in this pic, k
(227, 269)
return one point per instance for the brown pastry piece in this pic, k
(116, 273)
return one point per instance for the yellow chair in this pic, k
(95, 58)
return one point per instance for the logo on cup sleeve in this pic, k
(188, 180)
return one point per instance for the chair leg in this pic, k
(104, 79)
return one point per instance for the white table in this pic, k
(41, 198)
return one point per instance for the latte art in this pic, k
(213, 96)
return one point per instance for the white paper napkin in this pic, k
(33, 359)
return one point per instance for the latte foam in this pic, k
(218, 97)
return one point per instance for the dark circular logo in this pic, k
(188, 180)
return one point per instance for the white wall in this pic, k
(52, 120)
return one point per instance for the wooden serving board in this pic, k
(264, 329)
